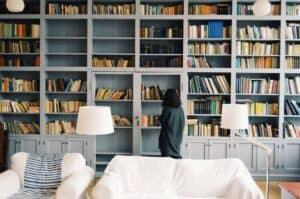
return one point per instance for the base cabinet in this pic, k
(291, 157)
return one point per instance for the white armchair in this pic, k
(75, 175)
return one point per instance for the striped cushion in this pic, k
(42, 173)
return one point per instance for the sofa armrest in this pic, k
(108, 187)
(75, 186)
(10, 183)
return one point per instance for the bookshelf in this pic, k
(115, 45)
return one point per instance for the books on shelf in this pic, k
(292, 85)
(161, 48)
(293, 9)
(197, 128)
(62, 85)
(119, 62)
(258, 32)
(210, 9)
(19, 30)
(18, 85)
(113, 94)
(251, 85)
(68, 106)
(292, 130)
(213, 29)
(161, 9)
(292, 30)
(260, 130)
(198, 62)
(114, 8)
(260, 108)
(12, 106)
(152, 93)
(19, 47)
(121, 121)
(59, 127)
(209, 105)
(174, 31)
(215, 84)
(18, 61)
(161, 61)
(66, 9)
(292, 107)
(19, 127)
(209, 48)
(150, 120)
(293, 49)
(292, 62)
(246, 9)
(257, 62)
(257, 48)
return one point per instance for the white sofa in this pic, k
(76, 177)
(137, 177)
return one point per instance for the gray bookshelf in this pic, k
(69, 43)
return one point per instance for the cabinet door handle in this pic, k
(137, 121)
(229, 145)
(282, 166)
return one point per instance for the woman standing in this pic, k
(172, 122)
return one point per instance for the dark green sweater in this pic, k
(172, 125)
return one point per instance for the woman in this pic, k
(172, 125)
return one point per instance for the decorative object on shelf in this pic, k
(261, 7)
(15, 5)
(94, 120)
(235, 118)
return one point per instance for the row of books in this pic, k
(293, 49)
(198, 62)
(62, 85)
(209, 48)
(258, 32)
(291, 130)
(121, 121)
(150, 120)
(112, 62)
(292, 30)
(257, 48)
(210, 105)
(161, 48)
(19, 127)
(113, 94)
(292, 85)
(114, 9)
(197, 128)
(251, 85)
(58, 106)
(213, 29)
(214, 84)
(174, 31)
(161, 9)
(168, 61)
(18, 61)
(59, 127)
(261, 130)
(257, 62)
(66, 9)
(19, 30)
(152, 93)
(260, 108)
(19, 47)
(9, 84)
(293, 9)
(292, 62)
(12, 106)
(247, 9)
(210, 9)
(292, 107)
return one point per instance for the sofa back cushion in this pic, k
(143, 174)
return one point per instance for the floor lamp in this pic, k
(235, 118)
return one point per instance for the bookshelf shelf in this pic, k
(99, 101)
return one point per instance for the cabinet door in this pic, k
(54, 145)
(218, 149)
(196, 149)
(13, 147)
(261, 158)
(246, 152)
(74, 145)
(291, 158)
(30, 145)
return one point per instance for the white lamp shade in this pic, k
(15, 5)
(94, 120)
(234, 116)
(261, 8)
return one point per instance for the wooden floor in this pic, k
(274, 189)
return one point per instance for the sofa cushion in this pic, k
(161, 196)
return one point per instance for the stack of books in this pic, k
(292, 30)
(160, 62)
(150, 120)
(121, 121)
(19, 47)
(161, 9)
(114, 8)
(261, 130)
(174, 31)
(257, 62)
(152, 93)
(292, 130)
(60, 126)
(257, 48)
(197, 128)
(210, 9)
(209, 48)
(293, 9)
(213, 29)
(57, 106)
(9, 84)
(198, 62)
(66, 9)
(11, 106)
(112, 62)
(113, 94)
(260, 108)
(17, 61)
(246, 9)
(19, 30)
(18, 127)
(292, 107)
(258, 32)
(215, 84)
(210, 105)
(293, 85)
(61, 85)
(293, 49)
(257, 85)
